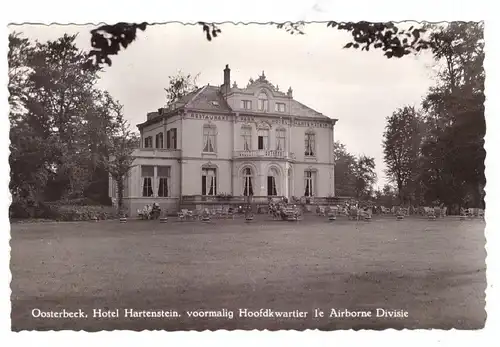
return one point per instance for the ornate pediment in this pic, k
(262, 82)
(263, 124)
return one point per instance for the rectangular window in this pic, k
(208, 182)
(260, 140)
(148, 142)
(280, 107)
(147, 174)
(209, 139)
(246, 136)
(246, 104)
(173, 138)
(163, 179)
(309, 183)
(280, 139)
(263, 139)
(310, 145)
(159, 140)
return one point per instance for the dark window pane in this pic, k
(203, 185)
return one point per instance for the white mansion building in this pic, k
(233, 141)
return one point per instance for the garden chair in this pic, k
(218, 213)
(332, 212)
(480, 213)
(212, 212)
(366, 214)
(443, 212)
(353, 214)
(320, 210)
(140, 214)
(181, 216)
(231, 211)
(185, 214)
(431, 213)
(196, 215)
(205, 215)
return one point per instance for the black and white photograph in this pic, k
(290, 175)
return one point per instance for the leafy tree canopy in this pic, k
(393, 39)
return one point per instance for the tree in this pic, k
(345, 164)
(58, 99)
(120, 148)
(402, 140)
(453, 150)
(364, 176)
(394, 40)
(387, 196)
(19, 49)
(354, 176)
(179, 86)
(60, 122)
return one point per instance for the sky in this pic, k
(358, 88)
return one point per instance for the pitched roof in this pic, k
(302, 110)
(207, 98)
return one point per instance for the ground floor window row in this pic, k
(156, 182)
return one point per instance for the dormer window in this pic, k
(280, 107)
(246, 104)
(263, 102)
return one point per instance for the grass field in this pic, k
(435, 270)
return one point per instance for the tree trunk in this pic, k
(120, 187)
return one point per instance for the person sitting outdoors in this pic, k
(155, 211)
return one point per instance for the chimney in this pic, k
(290, 92)
(227, 75)
(226, 87)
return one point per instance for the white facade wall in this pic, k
(229, 159)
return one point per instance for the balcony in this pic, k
(157, 153)
(271, 154)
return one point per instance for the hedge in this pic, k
(62, 211)
(81, 212)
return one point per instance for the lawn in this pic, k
(434, 270)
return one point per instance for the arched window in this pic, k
(246, 137)
(247, 181)
(209, 137)
(263, 102)
(310, 144)
(272, 179)
(280, 139)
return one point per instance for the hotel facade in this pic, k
(229, 143)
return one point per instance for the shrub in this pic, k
(18, 209)
(80, 212)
